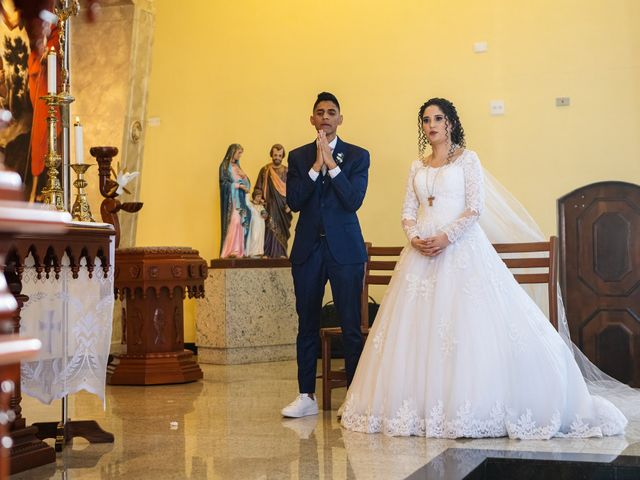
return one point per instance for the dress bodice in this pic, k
(445, 185)
(457, 197)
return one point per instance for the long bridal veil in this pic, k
(505, 220)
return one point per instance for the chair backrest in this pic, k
(537, 263)
(381, 261)
(533, 262)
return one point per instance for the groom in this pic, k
(326, 183)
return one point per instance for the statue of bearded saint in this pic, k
(271, 191)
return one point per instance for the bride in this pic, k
(458, 348)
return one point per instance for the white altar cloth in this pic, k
(72, 317)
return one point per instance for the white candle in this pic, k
(52, 70)
(77, 127)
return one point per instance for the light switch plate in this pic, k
(480, 47)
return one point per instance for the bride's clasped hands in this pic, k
(430, 246)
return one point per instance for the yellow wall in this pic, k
(248, 71)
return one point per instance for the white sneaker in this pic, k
(302, 406)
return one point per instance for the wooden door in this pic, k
(600, 274)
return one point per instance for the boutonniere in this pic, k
(339, 158)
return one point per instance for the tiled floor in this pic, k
(229, 427)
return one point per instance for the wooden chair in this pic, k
(542, 257)
(377, 272)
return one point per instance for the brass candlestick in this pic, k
(81, 210)
(53, 193)
(66, 10)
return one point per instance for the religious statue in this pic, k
(234, 211)
(271, 191)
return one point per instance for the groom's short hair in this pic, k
(326, 97)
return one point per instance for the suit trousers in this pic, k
(309, 281)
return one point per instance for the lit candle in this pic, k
(52, 70)
(77, 127)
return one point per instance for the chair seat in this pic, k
(336, 332)
(330, 331)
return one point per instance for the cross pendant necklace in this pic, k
(431, 191)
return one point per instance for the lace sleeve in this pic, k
(473, 199)
(410, 206)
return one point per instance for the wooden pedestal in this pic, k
(152, 283)
(23, 450)
(154, 369)
(28, 451)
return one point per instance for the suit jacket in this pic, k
(328, 204)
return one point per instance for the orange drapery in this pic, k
(278, 183)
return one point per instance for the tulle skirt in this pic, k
(459, 349)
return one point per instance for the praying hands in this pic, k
(324, 152)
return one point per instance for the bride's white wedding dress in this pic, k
(458, 348)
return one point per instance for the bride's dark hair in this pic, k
(449, 110)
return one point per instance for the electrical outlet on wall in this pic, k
(496, 107)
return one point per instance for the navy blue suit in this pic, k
(328, 245)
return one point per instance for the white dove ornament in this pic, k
(122, 179)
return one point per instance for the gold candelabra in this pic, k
(53, 193)
(81, 210)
